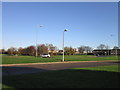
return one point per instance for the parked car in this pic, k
(45, 55)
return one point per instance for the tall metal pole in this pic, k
(116, 50)
(63, 45)
(37, 40)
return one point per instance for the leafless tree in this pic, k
(42, 49)
(69, 51)
(12, 51)
(52, 48)
(101, 46)
(81, 49)
(31, 50)
(20, 50)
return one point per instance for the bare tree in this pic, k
(81, 49)
(12, 51)
(101, 46)
(42, 49)
(69, 51)
(20, 50)
(24, 51)
(87, 49)
(31, 50)
(52, 48)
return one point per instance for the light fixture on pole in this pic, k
(36, 40)
(63, 45)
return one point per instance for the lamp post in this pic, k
(115, 46)
(37, 40)
(63, 45)
(116, 50)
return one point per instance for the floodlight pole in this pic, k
(63, 59)
(37, 41)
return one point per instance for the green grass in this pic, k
(27, 59)
(31, 59)
(112, 68)
(70, 78)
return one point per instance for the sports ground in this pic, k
(78, 71)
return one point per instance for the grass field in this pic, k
(112, 68)
(97, 77)
(31, 59)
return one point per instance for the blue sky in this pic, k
(89, 23)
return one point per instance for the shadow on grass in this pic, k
(19, 70)
(68, 78)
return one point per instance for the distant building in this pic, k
(53, 52)
(115, 51)
(60, 52)
(76, 50)
(98, 52)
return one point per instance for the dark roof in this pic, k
(104, 49)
